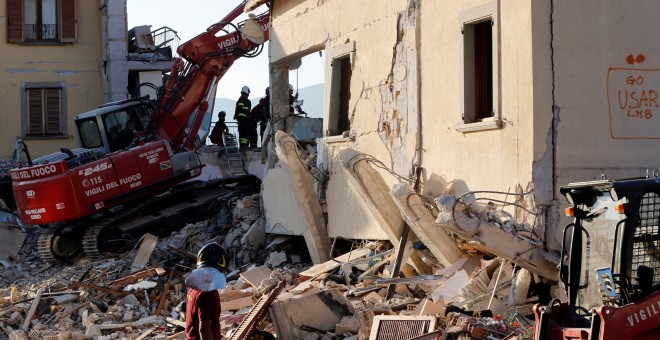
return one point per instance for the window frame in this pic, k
(66, 23)
(488, 12)
(63, 109)
(338, 58)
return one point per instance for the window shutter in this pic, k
(34, 111)
(14, 21)
(68, 21)
(53, 125)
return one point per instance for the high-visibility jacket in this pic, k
(243, 107)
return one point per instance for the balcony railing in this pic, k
(40, 32)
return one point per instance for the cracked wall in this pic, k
(397, 126)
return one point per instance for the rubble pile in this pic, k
(273, 288)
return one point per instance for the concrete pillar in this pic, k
(306, 203)
(374, 191)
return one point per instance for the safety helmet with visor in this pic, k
(212, 255)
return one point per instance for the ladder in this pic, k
(234, 159)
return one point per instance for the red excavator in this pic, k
(612, 270)
(134, 148)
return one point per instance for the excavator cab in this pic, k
(610, 266)
(113, 126)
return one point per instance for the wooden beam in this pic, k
(135, 277)
(33, 309)
(99, 288)
(166, 290)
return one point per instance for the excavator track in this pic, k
(92, 237)
(114, 231)
(55, 248)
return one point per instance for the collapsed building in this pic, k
(442, 135)
(450, 127)
(485, 101)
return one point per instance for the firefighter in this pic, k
(242, 117)
(261, 113)
(219, 130)
(203, 299)
(292, 99)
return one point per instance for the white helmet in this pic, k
(245, 89)
(290, 87)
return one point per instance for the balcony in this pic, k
(38, 33)
(147, 45)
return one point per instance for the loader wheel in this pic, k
(56, 248)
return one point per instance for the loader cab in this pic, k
(112, 126)
(610, 263)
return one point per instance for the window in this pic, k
(340, 90)
(41, 21)
(43, 106)
(89, 133)
(480, 68)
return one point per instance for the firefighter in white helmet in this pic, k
(242, 117)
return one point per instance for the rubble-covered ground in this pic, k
(272, 287)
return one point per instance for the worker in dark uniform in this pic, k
(292, 99)
(261, 113)
(203, 299)
(242, 117)
(219, 129)
(126, 135)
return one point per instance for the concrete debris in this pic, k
(452, 274)
(494, 232)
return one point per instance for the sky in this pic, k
(192, 17)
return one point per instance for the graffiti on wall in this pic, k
(634, 103)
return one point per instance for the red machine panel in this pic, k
(51, 193)
(44, 199)
(93, 183)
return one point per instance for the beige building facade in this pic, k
(61, 58)
(51, 70)
(512, 96)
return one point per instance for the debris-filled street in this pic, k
(271, 287)
(329, 169)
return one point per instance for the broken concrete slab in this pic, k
(11, 240)
(148, 245)
(276, 258)
(255, 275)
(328, 307)
(255, 236)
(236, 304)
(422, 222)
(373, 190)
(450, 290)
(428, 307)
(335, 263)
(492, 239)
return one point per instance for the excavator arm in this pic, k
(193, 78)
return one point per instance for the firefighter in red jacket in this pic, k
(242, 117)
(203, 299)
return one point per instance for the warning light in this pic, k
(570, 211)
(619, 208)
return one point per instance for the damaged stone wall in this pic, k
(397, 126)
